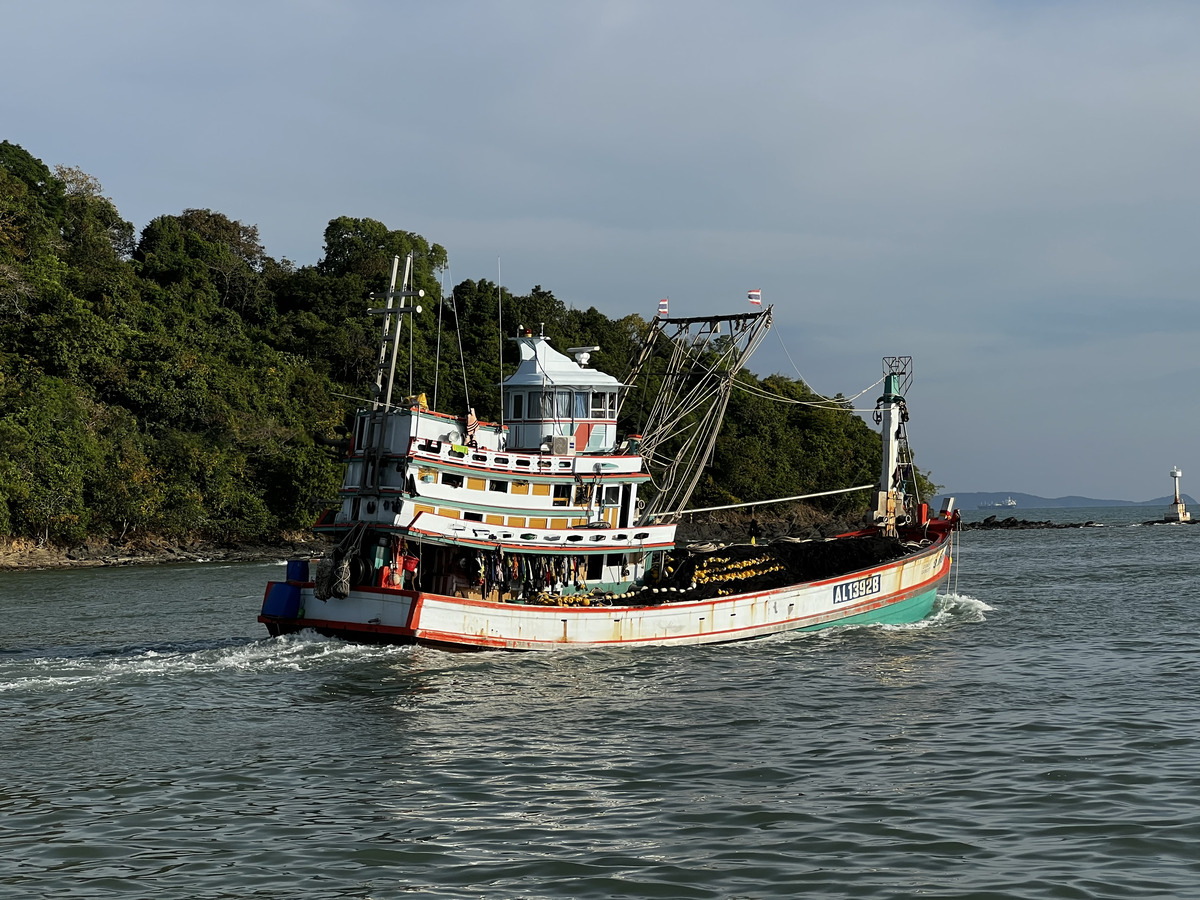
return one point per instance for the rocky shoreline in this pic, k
(20, 554)
(1013, 523)
(724, 528)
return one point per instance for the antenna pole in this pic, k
(390, 341)
(408, 260)
(412, 327)
(500, 323)
(437, 356)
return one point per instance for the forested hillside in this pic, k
(173, 383)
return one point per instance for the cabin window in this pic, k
(612, 495)
(614, 559)
(518, 406)
(498, 486)
(583, 493)
(599, 405)
(581, 404)
(454, 481)
(563, 404)
(562, 495)
(473, 517)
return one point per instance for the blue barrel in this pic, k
(282, 599)
(297, 570)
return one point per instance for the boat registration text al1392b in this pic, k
(856, 590)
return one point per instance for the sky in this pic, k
(1005, 191)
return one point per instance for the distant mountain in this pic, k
(1032, 501)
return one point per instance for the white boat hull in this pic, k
(898, 591)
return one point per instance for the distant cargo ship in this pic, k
(1006, 503)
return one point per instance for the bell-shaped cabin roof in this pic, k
(542, 366)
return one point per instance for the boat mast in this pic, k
(500, 329)
(891, 413)
(389, 340)
(385, 374)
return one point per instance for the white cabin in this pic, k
(553, 396)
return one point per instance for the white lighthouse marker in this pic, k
(1177, 512)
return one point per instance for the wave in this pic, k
(74, 669)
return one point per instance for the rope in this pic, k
(861, 487)
(783, 346)
(461, 359)
(823, 403)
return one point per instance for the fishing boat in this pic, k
(1006, 503)
(550, 529)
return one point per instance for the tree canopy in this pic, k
(175, 383)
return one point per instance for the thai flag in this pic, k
(755, 297)
(662, 307)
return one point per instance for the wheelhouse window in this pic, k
(518, 406)
(562, 404)
(599, 405)
(581, 404)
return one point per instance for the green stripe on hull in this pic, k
(914, 609)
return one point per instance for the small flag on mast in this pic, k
(755, 297)
(662, 307)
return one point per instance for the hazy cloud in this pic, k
(1004, 191)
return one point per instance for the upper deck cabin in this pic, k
(556, 404)
(563, 415)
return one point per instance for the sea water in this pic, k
(1038, 737)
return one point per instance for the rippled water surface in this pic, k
(1038, 737)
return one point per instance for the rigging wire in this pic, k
(823, 403)
(437, 356)
(458, 331)
(500, 328)
(412, 328)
